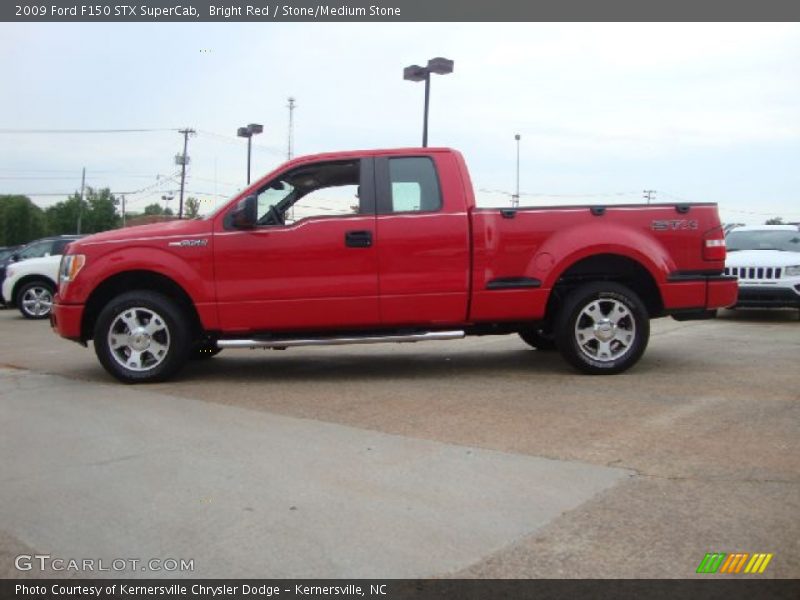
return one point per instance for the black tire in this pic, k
(159, 342)
(615, 324)
(204, 350)
(540, 338)
(35, 299)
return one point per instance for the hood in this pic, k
(154, 230)
(762, 258)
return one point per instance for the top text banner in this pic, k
(397, 10)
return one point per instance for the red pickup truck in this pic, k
(388, 246)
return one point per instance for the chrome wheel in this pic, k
(138, 339)
(37, 301)
(605, 330)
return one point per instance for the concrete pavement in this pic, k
(110, 472)
(708, 423)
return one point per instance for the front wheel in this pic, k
(141, 337)
(36, 300)
(603, 328)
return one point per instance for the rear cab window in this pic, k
(410, 184)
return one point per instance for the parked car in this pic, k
(5, 253)
(766, 260)
(49, 246)
(388, 246)
(31, 284)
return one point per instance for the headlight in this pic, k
(71, 264)
(792, 271)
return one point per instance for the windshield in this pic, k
(788, 241)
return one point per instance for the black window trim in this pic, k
(383, 186)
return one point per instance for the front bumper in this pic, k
(761, 296)
(5, 295)
(66, 320)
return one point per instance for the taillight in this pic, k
(714, 245)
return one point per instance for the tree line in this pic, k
(22, 221)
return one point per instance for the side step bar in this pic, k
(425, 336)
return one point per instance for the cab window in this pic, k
(414, 185)
(325, 189)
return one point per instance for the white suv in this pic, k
(766, 259)
(31, 284)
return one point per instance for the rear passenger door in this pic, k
(422, 236)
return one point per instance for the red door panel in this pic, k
(301, 276)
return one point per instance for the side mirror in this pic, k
(245, 215)
(15, 257)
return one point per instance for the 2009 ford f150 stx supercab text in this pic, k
(388, 246)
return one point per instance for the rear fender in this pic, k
(574, 244)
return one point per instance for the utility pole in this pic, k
(123, 209)
(291, 106)
(183, 160)
(649, 195)
(80, 204)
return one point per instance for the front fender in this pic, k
(192, 270)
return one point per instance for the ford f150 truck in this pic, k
(388, 246)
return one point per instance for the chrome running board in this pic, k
(425, 336)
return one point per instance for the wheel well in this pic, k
(608, 267)
(25, 281)
(135, 280)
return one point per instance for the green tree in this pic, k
(20, 220)
(154, 209)
(102, 211)
(191, 209)
(62, 217)
(774, 221)
(98, 212)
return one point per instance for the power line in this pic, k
(234, 140)
(26, 131)
(38, 178)
(547, 195)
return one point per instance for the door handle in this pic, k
(358, 239)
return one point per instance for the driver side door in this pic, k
(314, 267)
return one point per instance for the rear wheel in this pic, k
(141, 337)
(603, 328)
(35, 300)
(540, 337)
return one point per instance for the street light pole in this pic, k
(515, 199)
(249, 153)
(248, 132)
(427, 104)
(438, 65)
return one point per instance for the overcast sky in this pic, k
(698, 112)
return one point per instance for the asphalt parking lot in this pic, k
(475, 458)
